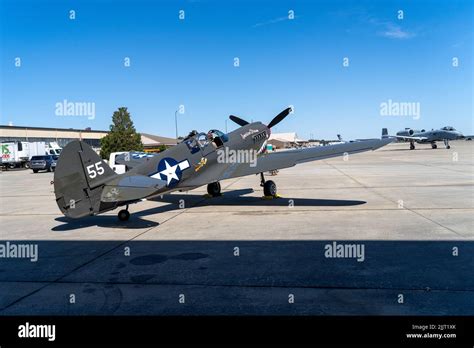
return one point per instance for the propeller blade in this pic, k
(238, 120)
(278, 118)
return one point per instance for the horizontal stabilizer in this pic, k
(130, 188)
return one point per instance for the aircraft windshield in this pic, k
(447, 128)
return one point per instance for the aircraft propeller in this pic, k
(277, 119)
(238, 120)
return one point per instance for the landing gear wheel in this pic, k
(270, 188)
(434, 146)
(448, 147)
(214, 189)
(412, 146)
(123, 215)
(35, 170)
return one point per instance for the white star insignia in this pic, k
(170, 172)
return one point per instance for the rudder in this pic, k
(79, 179)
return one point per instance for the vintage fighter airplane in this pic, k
(85, 185)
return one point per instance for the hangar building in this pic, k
(62, 136)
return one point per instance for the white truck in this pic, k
(19, 153)
(117, 168)
(53, 148)
(132, 156)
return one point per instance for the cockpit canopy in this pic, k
(196, 141)
(448, 128)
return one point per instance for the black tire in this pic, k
(214, 189)
(434, 146)
(270, 188)
(412, 147)
(448, 147)
(35, 170)
(123, 215)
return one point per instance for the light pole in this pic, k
(176, 122)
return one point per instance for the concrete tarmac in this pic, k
(404, 220)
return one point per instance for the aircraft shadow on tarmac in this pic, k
(229, 198)
(417, 149)
(236, 197)
(365, 281)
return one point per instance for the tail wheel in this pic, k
(270, 188)
(123, 215)
(214, 189)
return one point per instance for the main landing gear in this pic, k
(412, 145)
(434, 146)
(269, 187)
(214, 189)
(123, 215)
(446, 143)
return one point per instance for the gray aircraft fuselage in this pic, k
(85, 185)
(203, 156)
(444, 134)
(432, 135)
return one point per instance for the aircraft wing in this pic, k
(410, 138)
(290, 158)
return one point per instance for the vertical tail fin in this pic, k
(79, 179)
(384, 133)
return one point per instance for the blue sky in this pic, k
(283, 62)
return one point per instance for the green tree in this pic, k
(122, 135)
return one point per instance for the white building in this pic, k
(284, 140)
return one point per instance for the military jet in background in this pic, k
(422, 137)
(85, 185)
